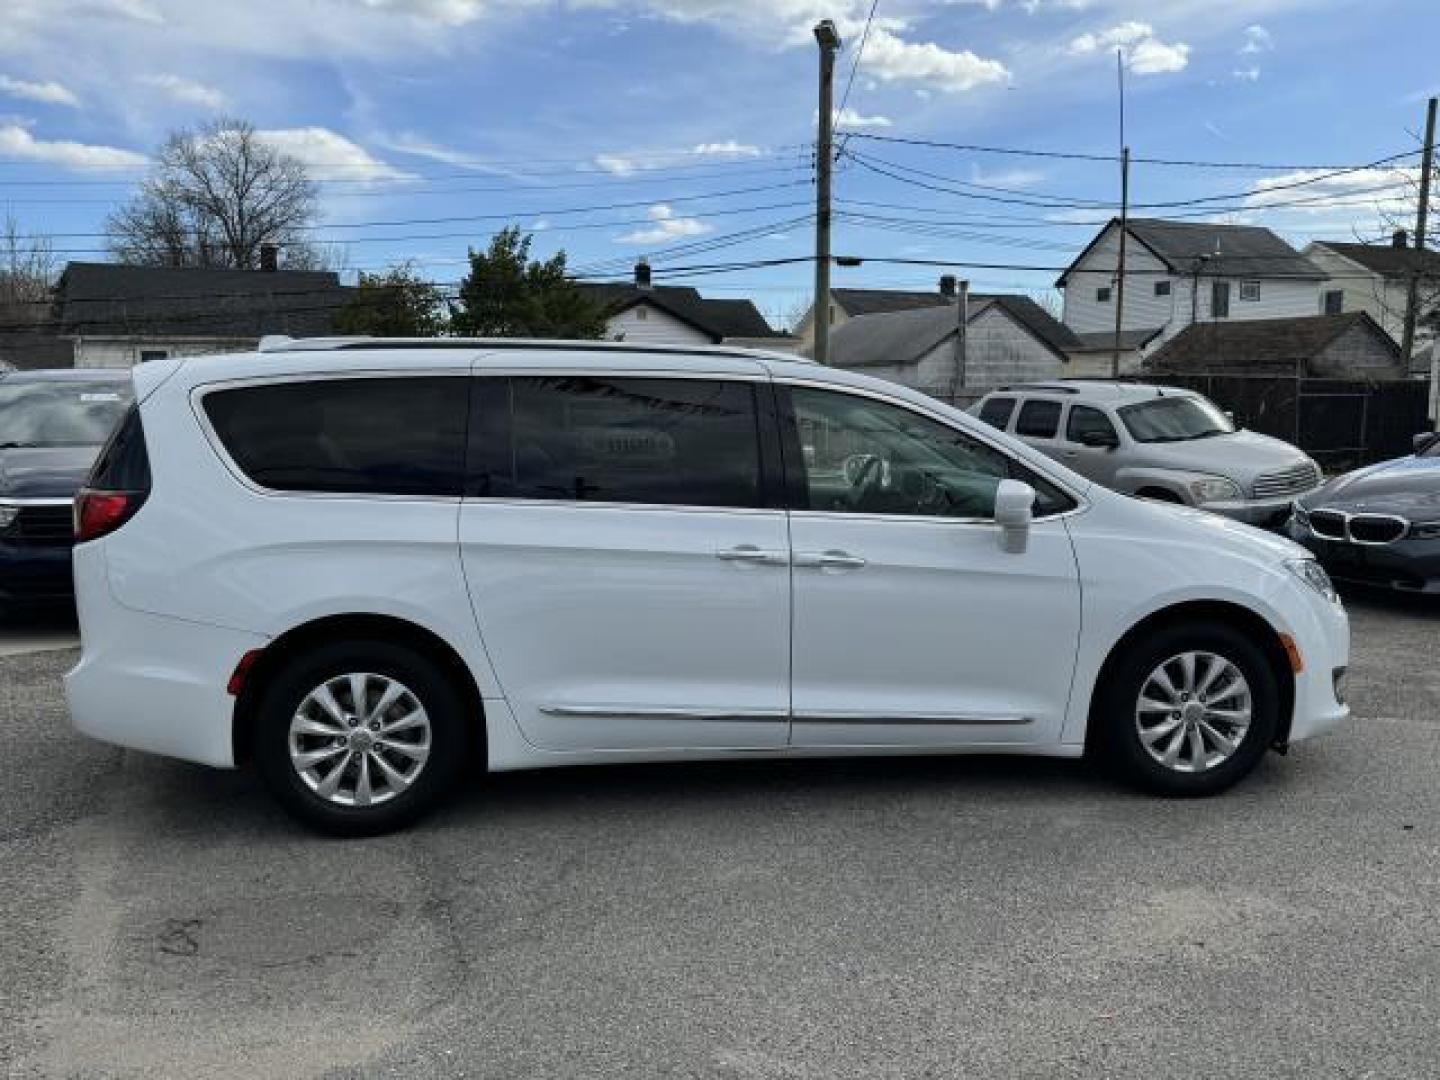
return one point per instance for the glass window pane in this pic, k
(60, 412)
(869, 457)
(1039, 419)
(684, 442)
(401, 436)
(996, 411)
(1086, 420)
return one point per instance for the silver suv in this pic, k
(1157, 442)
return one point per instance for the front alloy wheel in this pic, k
(1193, 711)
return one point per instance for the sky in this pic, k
(682, 130)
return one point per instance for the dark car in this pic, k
(52, 426)
(1379, 525)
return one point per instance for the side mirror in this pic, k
(1014, 508)
(1107, 440)
(1423, 441)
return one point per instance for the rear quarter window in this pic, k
(379, 436)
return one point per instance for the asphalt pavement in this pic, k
(890, 918)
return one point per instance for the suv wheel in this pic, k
(1189, 711)
(359, 738)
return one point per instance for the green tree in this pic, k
(397, 303)
(506, 294)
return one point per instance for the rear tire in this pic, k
(359, 738)
(1205, 736)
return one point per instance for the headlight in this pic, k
(1214, 489)
(1421, 530)
(1314, 575)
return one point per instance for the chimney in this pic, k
(269, 258)
(1401, 239)
(947, 286)
(642, 276)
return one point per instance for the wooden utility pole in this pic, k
(828, 39)
(1120, 262)
(961, 332)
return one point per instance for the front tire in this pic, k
(1190, 710)
(359, 738)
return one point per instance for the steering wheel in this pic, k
(866, 473)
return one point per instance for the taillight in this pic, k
(100, 512)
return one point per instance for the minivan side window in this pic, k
(996, 411)
(373, 436)
(864, 456)
(618, 439)
(1039, 419)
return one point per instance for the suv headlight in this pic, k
(1214, 489)
(1313, 574)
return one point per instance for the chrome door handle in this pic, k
(829, 560)
(752, 554)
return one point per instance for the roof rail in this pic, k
(280, 343)
(1056, 388)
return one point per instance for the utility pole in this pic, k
(828, 39)
(1412, 288)
(1120, 262)
(961, 343)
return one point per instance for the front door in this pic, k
(1084, 425)
(628, 560)
(912, 625)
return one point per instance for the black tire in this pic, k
(449, 736)
(1116, 737)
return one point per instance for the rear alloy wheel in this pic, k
(360, 738)
(1188, 712)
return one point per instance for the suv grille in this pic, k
(1292, 481)
(41, 525)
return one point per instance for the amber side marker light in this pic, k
(1297, 665)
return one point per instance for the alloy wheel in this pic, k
(1193, 711)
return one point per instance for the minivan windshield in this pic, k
(59, 412)
(1174, 419)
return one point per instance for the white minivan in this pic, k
(363, 566)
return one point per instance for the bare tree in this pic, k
(215, 195)
(27, 274)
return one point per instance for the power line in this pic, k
(859, 52)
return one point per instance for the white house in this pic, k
(1008, 339)
(1375, 279)
(643, 313)
(1181, 272)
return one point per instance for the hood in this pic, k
(1408, 486)
(44, 472)
(1149, 518)
(1240, 455)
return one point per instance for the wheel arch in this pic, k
(351, 627)
(1246, 620)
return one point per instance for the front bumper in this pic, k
(1266, 513)
(1408, 565)
(33, 573)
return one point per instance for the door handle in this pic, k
(749, 553)
(829, 560)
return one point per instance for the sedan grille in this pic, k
(1292, 481)
(1376, 528)
(41, 526)
(1329, 524)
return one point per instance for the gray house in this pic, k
(1351, 346)
(1008, 339)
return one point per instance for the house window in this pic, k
(1102, 295)
(1249, 290)
(1162, 288)
(1220, 299)
(152, 354)
(1333, 301)
(642, 313)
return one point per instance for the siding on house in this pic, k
(654, 327)
(123, 351)
(1383, 299)
(1357, 354)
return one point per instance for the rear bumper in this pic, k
(149, 682)
(35, 572)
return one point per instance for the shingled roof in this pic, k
(108, 298)
(1386, 259)
(1260, 346)
(1023, 309)
(720, 319)
(1222, 250)
(904, 336)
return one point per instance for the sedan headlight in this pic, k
(1214, 489)
(1313, 574)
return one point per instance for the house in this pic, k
(1093, 355)
(1008, 339)
(1349, 346)
(1182, 272)
(1375, 279)
(846, 304)
(640, 312)
(115, 315)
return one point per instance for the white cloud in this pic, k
(850, 118)
(1257, 40)
(666, 227)
(1012, 178)
(614, 163)
(16, 141)
(445, 12)
(1250, 74)
(1319, 190)
(1144, 53)
(729, 147)
(891, 59)
(48, 92)
(332, 155)
(186, 91)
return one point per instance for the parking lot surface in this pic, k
(889, 918)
